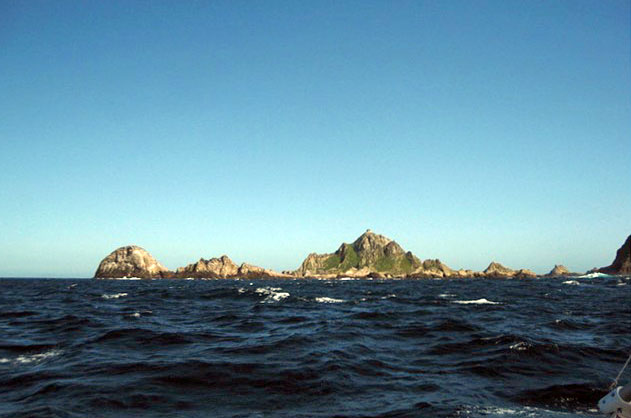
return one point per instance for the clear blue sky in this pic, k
(470, 131)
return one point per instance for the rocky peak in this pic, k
(369, 241)
(497, 270)
(130, 261)
(370, 247)
(558, 271)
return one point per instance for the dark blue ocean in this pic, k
(310, 348)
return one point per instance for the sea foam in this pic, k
(329, 300)
(32, 358)
(476, 302)
(114, 296)
(273, 294)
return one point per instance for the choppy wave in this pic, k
(299, 348)
(594, 276)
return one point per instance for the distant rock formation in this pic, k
(559, 271)
(525, 273)
(224, 268)
(622, 263)
(434, 268)
(130, 261)
(496, 270)
(370, 255)
(215, 267)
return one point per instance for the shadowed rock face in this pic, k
(369, 255)
(622, 262)
(130, 261)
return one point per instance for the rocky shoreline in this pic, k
(369, 256)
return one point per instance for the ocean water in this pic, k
(311, 348)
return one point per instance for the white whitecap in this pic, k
(32, 358)
(329, 300)
(272, 294)
(520, 346)
(574, 282)
(114, 296)
(482, 301)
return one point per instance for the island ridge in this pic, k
(370, 255)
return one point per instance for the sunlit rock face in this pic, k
(215, 267)
(130, 261)
(224, 268)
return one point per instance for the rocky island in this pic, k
(130, 261)
(370, 255)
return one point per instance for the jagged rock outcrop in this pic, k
(370, 255)
(433, 268)
(223, 268)
(525, 273)
(464, 274)
(212, 268)
(248, 271)
(559, 271)
(496, 270)
(131, 261)
(622, 263)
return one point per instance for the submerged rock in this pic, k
(130, 261)
(622, 263)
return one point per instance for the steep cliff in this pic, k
(622, 263)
